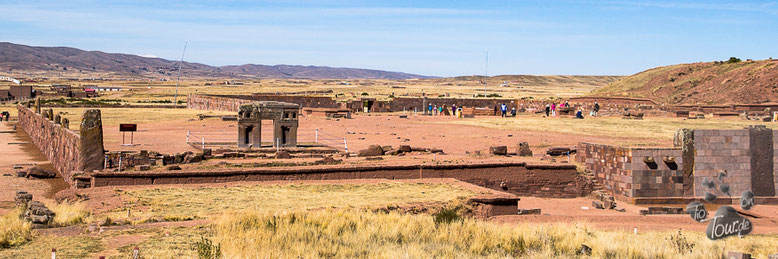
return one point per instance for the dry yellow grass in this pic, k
(13, 230)
(186, 203)
(644, 132)
(67, 214)
(350, 234)
(115, 116)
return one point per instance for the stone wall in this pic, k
(233, 102)
(516, 178)
(635, 172)
(214, 102)
(717, 150)
(67, 150)
(746, 155)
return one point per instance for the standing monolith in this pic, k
(91, 151)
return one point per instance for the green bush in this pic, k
(207, 250)
(733, 60)
(446, 216)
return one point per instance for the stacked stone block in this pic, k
(624, 171)
(611, 166)
(719, 150)
(661, 178)
(67, 150)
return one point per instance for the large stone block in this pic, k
(91, 149)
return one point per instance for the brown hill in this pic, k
(543, 79)
(16, 57)
(746, 82)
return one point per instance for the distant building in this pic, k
(17, 93)
(103, 88)
(21, 92)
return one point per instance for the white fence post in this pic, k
(187, 136)
(203, 143)
(345, 144)
(317, 136)
(278, 144)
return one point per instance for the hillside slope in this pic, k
(746, 82)
(65, 60)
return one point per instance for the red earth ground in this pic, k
(385, 129)
(360, 132)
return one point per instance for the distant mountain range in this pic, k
(16, 57)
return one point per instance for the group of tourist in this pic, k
(502, 110)
(552, 107)
(433, 109)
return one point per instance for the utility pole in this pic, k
(486, 73)
(178, 82)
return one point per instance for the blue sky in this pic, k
(439, 38)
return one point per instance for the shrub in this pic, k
(365, 94)
(446, 216)
(733, 60)
(66, 214)
(13, 230)
(206, 249)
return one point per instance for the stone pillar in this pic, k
(57, 119)
(762, 164)
(255, 137)
(91, 149)
(65, 123)
(684, 138)
(38, 105)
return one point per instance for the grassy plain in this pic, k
(206, 202)
(646, 132)
(349, 234)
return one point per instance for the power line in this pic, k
(178, 81)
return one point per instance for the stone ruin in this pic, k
(35, 211)
(283, 115)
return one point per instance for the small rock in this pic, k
(282, 155)
(38, 172)
(524, 150)
(377, 158)
(173, 167)
(373, 150)
(144, 167)
(585, 250)
(498, 150)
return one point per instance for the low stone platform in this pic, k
(518, 178)
(490, 205)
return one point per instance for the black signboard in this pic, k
(128, 127)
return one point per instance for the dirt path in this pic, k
(360, 132)
(16, 148)
(569, 210)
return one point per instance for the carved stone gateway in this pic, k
(283, 115)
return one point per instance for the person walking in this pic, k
(553, 109)
(503, 109)
(596, 108)
(454, 110)
(548, 109)
(429, 109)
